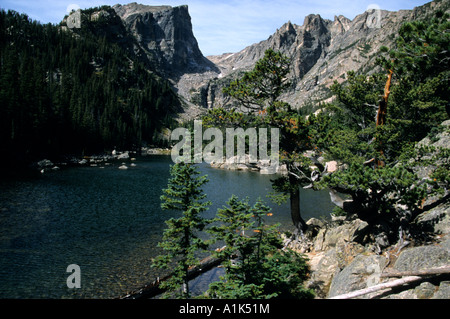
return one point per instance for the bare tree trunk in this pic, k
(412, 276)
(296, 216)
(381, 114)
(386, 285)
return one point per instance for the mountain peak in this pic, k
(124, 11)
(165, 34)
(314, 22)
(321, 51)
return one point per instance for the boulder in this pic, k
(364, 271)
(323, 266)
(435, 220)
(443, 291)
(422, 257)
(45, 163)
(350, 231)
(269, 170)
(124, 155)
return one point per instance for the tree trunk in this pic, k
(296, 216)
(412, 276)
(381, 114)
(386, 285)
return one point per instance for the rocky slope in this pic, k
(343, 259)
(165, 34)
(321, 50)
(161, 36)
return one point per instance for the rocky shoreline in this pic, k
(265, 166)
(245, 163)
(345, 256)
(343, 259)
(101, 160)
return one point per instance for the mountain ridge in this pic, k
(321, 51)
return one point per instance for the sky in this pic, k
(224, 26)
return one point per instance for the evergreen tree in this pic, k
(63, 93)
(181, 242)
(390, 197)
(255, 265)
(260, 89)
(420, 92)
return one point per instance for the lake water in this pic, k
(108, 221)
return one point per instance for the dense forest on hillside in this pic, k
(74, 93)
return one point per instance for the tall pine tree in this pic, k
(181, 242)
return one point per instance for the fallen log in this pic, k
(386, 285)
(411, 276)
(153, 289)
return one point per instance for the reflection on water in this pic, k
(106, 220)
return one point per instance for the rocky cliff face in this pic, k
(160, 35)
(321, 50)
(165, 34)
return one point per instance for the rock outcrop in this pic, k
(344, 259)
(161, 36)
(165, 34)
(321, 50)
(340, 264)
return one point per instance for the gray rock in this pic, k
(443, 291)
(165, 34)
(425, 290)
(423, 257)
(362, 272)
(324, 266)
(124, 155)
(315, 222)
(45, 163)
(436, 220)
(350, 231)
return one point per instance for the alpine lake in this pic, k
(108, 221)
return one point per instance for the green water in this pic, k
(106, 220)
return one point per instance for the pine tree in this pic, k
(61, 94)
(420, 92)
(255, 265)
(260, 90)
(390, 197)
(181, 242)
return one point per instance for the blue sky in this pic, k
(224, 26)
